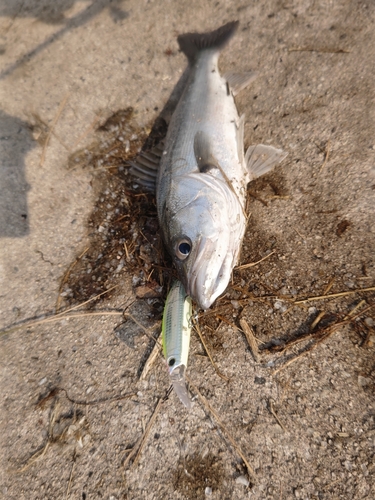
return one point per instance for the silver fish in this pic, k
(203, 174)
(176, 329)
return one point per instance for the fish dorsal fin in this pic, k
(193, 43)
(202, 151)
(261, 159)
(239, 81)
(145, 166)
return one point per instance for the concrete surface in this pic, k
(67, 65)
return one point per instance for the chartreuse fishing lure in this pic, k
(176, 329)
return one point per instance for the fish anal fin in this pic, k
(261, 159)
(239, 81)
(202, 151)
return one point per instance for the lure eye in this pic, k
(171, 362)
(183, 249)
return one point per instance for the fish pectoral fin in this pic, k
(261, 159)
(202, 151)
(145, 166)
(239, 81)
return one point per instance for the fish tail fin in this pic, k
(191, 44)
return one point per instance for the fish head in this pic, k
(204, 236)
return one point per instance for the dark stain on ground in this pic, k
(269, 186)
(342, 227)
(195, 474)
(124, 235)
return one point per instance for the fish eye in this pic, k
(171, 362)
(183, 248)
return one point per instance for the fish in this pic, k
(200, 172)
(176, 330)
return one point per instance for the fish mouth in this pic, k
(210, 273)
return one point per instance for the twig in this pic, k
(322, 50)
(333, 295)
(66, 275)
(36, 456)
(95, 402)
(292, 360)
(329, 286)
(317, 319)
(58, 114)
(136, 451)
(324, 334)
(64, 314)
(126, 251)
(39, 119)
(207, 405)
(146, 330)
(198, 330)
(359, 305)
(299, 234)
(254, 195)
(71, 475)
(327, 486)
(88, 301)
(156, 351)
(59, 317)
(326, 155)
(40, 453)
(250, 337)
(278, 197)
(274, 414)
(252, 264)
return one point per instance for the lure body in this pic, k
(176, 329)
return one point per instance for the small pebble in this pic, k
(369, 322)
(242, 480)
(281, 306)
(208, 491)
(363, 381)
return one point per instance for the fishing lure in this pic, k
(176, 329)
